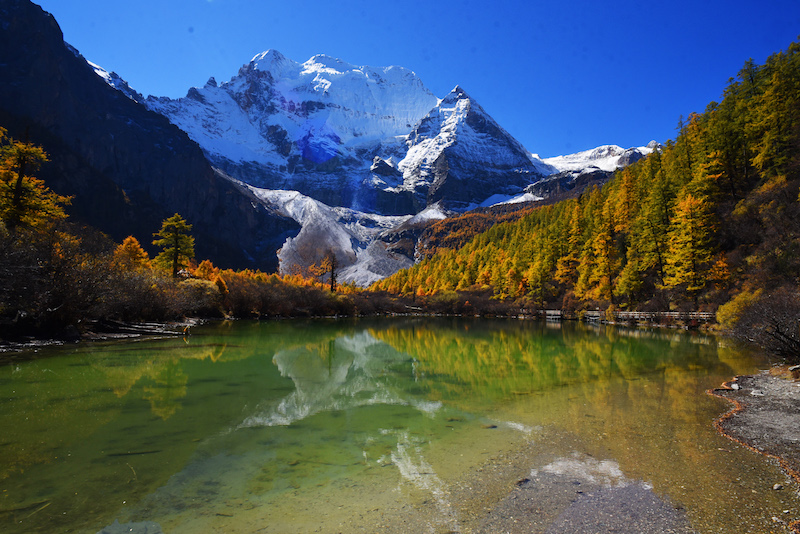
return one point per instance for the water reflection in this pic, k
(294, 423)
(336, 375)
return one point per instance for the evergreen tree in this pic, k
(606, 262)
(25, 201)
(567, 265)
(652, 226)
(629, 283)
(177, 244)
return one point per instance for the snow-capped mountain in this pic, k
(457, 154)
(607, 158)
(351, 153)
(312, 127)
(371, 139)
(575, 172)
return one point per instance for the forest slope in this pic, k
(711, 215)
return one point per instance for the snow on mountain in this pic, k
(322, 108)
(371, 139)
(352, 152)
(434, 212)
(111, 78)
(351, 235)
(606, 158)
(458, 153)
(313, 127)
(497, 200)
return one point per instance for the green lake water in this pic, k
(401, 425)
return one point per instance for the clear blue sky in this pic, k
(561, 76)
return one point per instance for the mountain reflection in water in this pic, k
(351, 426)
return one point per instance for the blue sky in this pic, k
(560, 76)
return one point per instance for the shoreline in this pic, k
(98, 331)
(765, 418)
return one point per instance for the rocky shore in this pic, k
(765, 418)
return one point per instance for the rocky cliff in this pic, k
(127, 167)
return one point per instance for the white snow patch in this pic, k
(605, 157)
(434, 212)
(497, 200)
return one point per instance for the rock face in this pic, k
(313, 127)
(566, 182)
(127, 167)
(366, 138)
(459, 156)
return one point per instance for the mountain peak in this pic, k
(458, 152)
(327, 63)
(269, 57)
(605, 157)
(273, 62)
(458, 93)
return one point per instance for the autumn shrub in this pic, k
(729, 313)
(202, 297)
(241, 299)
(381, 302)
(771, 320)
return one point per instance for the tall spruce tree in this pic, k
(177, 243)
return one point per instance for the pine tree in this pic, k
(25, 201)
(567, 265)
(629, 283)
(652, 226)
(177, 243)
(626, 201)
(607, 260)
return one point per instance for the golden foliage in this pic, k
(726, 190)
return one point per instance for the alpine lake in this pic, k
(379, 425)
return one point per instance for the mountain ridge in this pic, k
(455, 158)
(372, 140)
